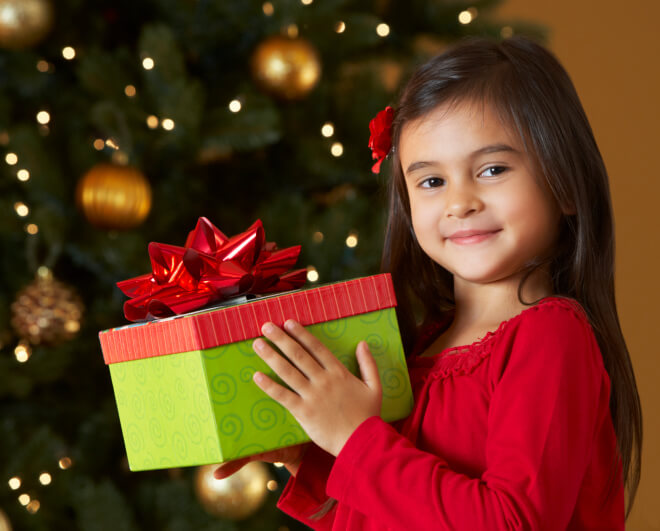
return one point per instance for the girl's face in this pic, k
(477, 208)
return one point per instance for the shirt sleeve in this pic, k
(548, 398)
(304, 496)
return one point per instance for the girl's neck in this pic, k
(485, 306)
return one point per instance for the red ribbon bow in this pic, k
(380, 140)
(210, 268)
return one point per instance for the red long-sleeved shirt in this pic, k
(511, 432)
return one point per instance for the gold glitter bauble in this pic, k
(5, 525)
(24, 22)
(114, 197)
(287, 68)
(46, 311)
(236, 497)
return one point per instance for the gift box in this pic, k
(183, 384)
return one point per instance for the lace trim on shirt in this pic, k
(464, 359)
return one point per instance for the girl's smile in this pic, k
(476, 204)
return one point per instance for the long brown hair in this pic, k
(532, 93)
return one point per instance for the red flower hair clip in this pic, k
(380, 140)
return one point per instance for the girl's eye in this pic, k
(432, 182)
(493, 171)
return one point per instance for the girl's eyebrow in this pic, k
(491, 148)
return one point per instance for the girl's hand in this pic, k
(290, 456)
(325, 398)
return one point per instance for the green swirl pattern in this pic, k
(202, 407)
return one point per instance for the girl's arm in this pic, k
(548, 410)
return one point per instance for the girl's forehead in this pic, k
(458, 121)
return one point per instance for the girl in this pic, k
(500, 235)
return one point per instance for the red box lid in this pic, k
(207, 329)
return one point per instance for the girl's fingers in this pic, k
(280, 394)
(368, 367)
(310, 343)
(298, 355)
(227, 469)
(289, 374)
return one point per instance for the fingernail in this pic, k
(290, 324)
(267, 328)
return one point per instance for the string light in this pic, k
(467, 16)
(31, 229)
(11, 158)
(110, 142)
(337, 149)
(268, 9)
(21, 209)
(352, 240)
(45, 478)
(506, 32)
(43, 66)
(148, 63)
(130, 91)
(328, 129)
(234, 105)
(33, 506)
(152, 122)
(278, 465)
(24, 499)
(383, 30)
(312, 274)
(306, 2)
(43, 117)
(22, 352)
(317, 237)
(99, 144)
(292, 31)
(167, 124)
(4, 138)
(14, 483)
(272, 485)
(23, 175)
(340, 27)
(65, 463)
(68, 53)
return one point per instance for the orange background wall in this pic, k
(611, 49)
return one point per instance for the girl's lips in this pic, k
(470, 238)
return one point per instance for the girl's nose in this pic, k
(463, 201)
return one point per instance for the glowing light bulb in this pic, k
(43, 117)
(167, 124)
(465, 17)
(383, 30)
(45, 478)
(234, 106)
(337, 149)
(317, 237)
(11, 158)
(148, 63)
(99, 144)
(43, 66)
(32, 229)
(130, 91)
(340, 27)
(268, 9)
(24, 499)
(352, 240)
(65, 463)
(14, 483)
(152, 122)
(68, 53)
(328, 129)
(21, 209)
(312, 274)
(23, 175)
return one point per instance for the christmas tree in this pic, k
(123, 122)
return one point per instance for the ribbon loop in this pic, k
(209, 268)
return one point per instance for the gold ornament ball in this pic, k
(287, 68)
(24, 22)
(46, 311)
(236, 497)
(5, 525)
(114, 197)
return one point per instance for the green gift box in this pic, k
(183, 385)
